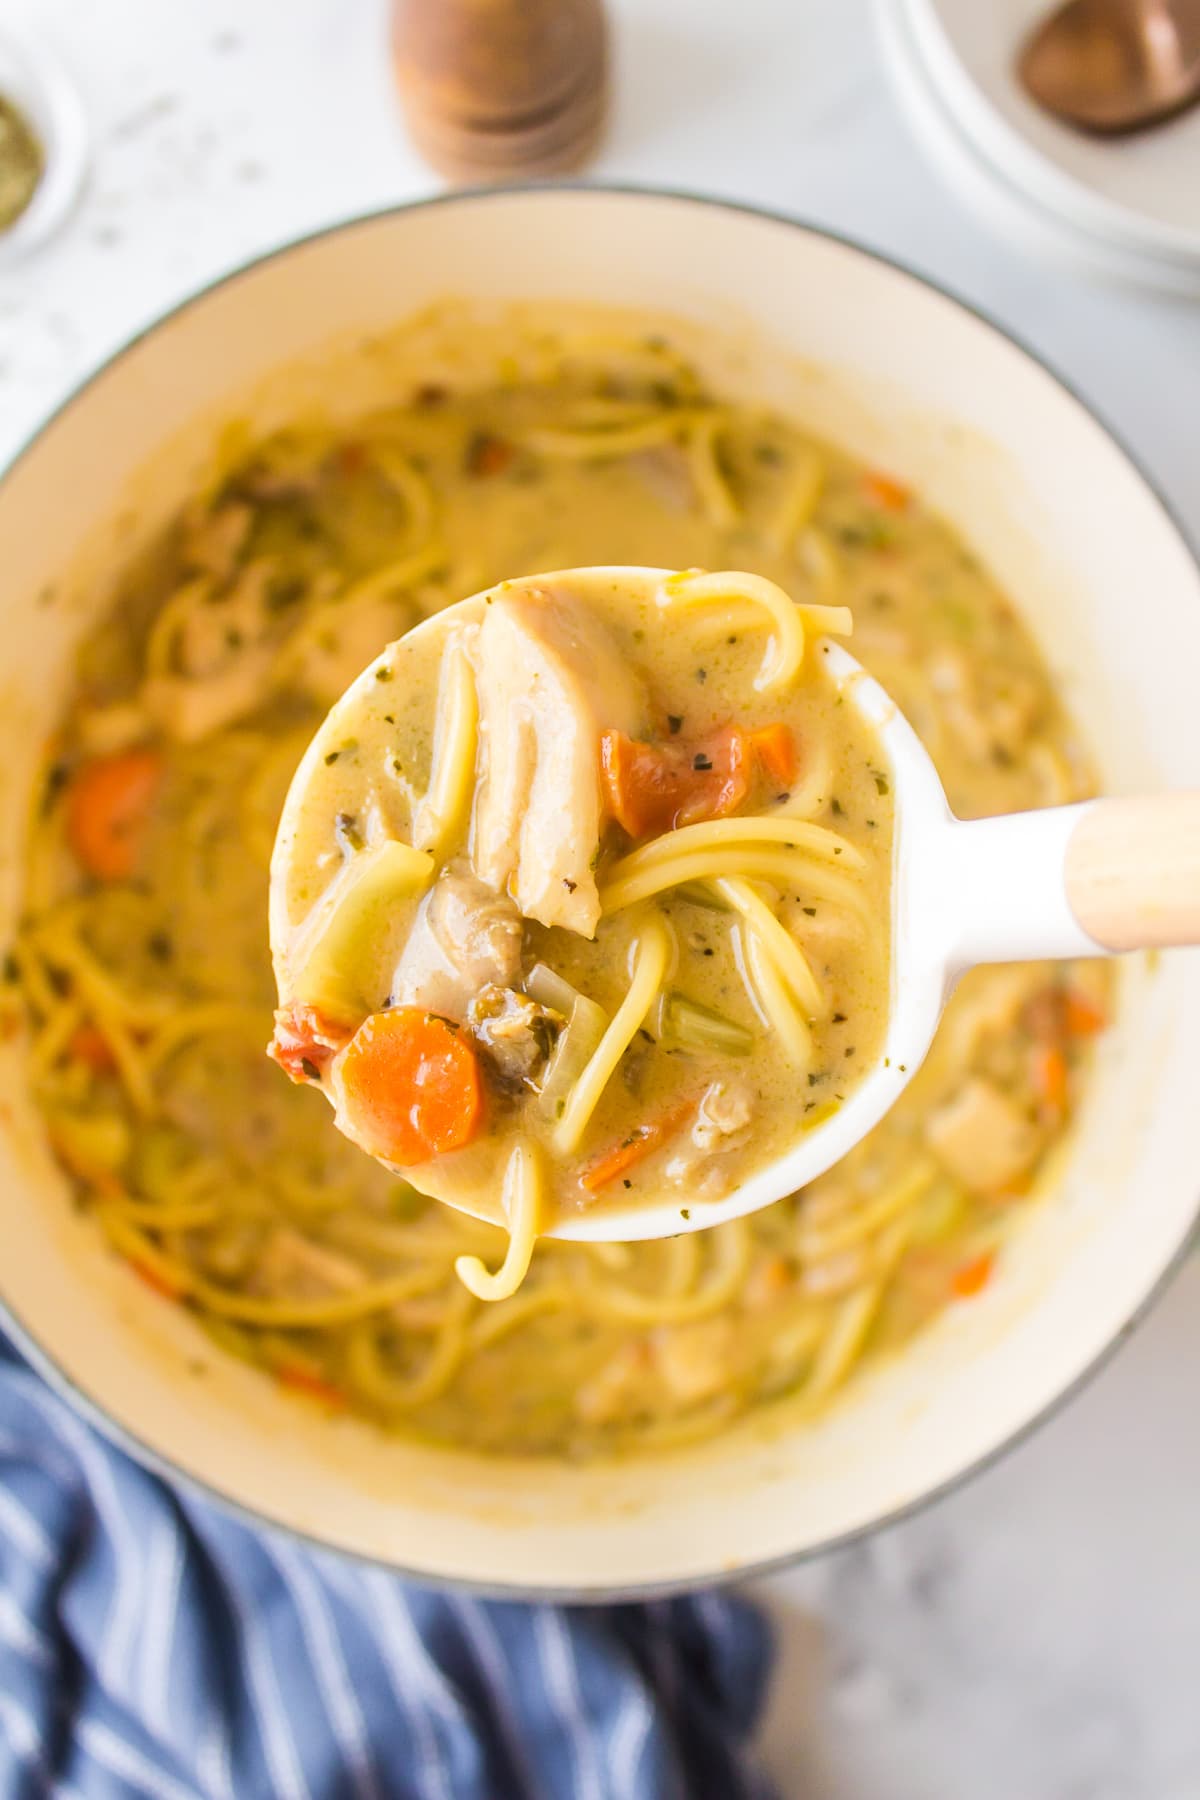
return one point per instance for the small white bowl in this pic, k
(36, 82)
(1139, 192)
(993, 190)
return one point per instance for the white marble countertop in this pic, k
(1036, 1636)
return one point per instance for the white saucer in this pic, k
(1127, 209)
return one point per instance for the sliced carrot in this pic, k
(411, 1087)
(89, 1046)
(155, 1278)
(1081, 1015)
(303, 1381)
(972, 1277)
(620, 1158)
(108, 810)
(775, 748)
(488, 455)
(886, 491)
(651, 788)
(352, 458)
(1049, 1067)
(304, 1041)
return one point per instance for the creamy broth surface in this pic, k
(143, 973)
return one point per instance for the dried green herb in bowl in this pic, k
(22, 161)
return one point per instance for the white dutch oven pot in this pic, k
(893, 370)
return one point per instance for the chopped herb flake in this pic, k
(57, 776)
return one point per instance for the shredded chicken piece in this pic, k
(190, 710)
(465, 938)
(293, 1266)
(770, 1278)
(668, 476)
(103, 729)
(983, 723)
(720, 1124)
(286, 469)
(225, 660)
(987, 1002)
(341, 640)
(694, 1360)
(981, 1138)
(616, 1387)
(550, 681)
(517, 1034)
(215, 539)
(724, 1111)
(217, 629)
(836, 1274)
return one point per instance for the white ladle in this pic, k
(1092, 879)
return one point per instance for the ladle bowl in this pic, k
(1090, 879)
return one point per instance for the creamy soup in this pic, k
(142, 970)
(536, 889)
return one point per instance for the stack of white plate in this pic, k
(1123, 207)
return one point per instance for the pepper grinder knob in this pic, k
(497, 89)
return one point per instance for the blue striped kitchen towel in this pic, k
(151, 1645)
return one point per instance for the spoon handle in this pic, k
(1085, 880)
(1132, 871)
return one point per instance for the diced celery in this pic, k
(694, 1027)
(332, 956)
(938, 1213)
(96, 1140)
(586, 1024)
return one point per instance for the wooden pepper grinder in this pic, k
(494, 90)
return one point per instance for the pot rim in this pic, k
(159, 1464)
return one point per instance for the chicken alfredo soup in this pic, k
(529, 888)
(141, 969)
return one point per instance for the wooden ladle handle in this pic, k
(1133, 871)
